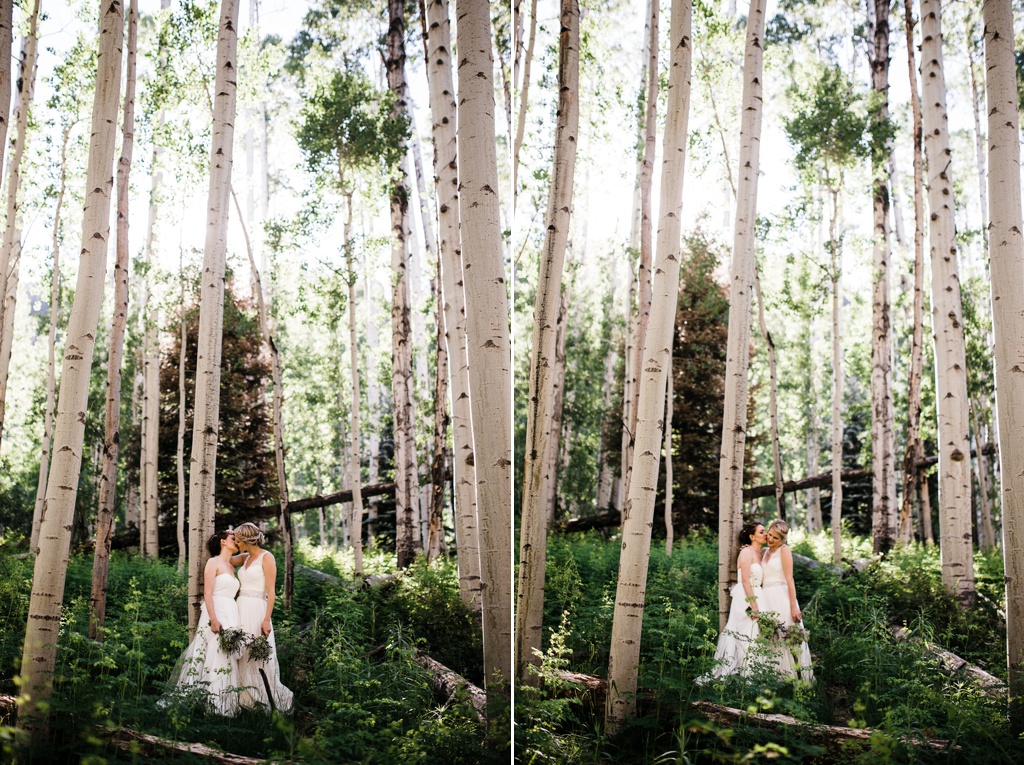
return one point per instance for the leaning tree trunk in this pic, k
(487, 330)
(914, 448)
(638, 512)
(1007, 263)
(407, 492)
(51, 366)
(883, 436)
(734, 420)
(539, 413)
(42, 628)
(206, 421)
(112, 414)
(6, 43)
(10, 250)
(956, 546)
(524, 91)
(446, 186)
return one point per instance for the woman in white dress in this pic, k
(203, 665)
(779, 595)
(741, 629)
(258, 578)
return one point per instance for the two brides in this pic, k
(236, 680)
(764, 592)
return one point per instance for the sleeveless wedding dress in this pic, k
(252, 609)
(740, 630)
(775, 597)
(203, 665)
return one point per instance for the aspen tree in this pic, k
(112, 412)
(150, 498)
(487, 330)
(10, 248)
(6, 43)
(355, 471)
(1006, 248)
(956, 548)
(773, 406)
(669, 530)
(50, 571)
(537, 477)
(435, 539)
(446, 186)
(524, 92)
(638, 511)
(734, 420)
(203, 460)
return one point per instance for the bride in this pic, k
(741, 629)
(258, 577)
(203, 664)
(779, 596)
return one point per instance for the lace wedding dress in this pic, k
(252, 608)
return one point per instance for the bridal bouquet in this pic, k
(259, 649)
(232, 640)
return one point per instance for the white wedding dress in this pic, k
(775, 597)
(740, 630)
(252, 608)
(203, 665)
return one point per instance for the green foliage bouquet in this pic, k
(259, 649)
(232, 641)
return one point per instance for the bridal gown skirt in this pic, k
(738, 636)
(792, 662)
(203, 666)
(252, 608)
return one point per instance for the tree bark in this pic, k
(956, 548)
(180, 450)
(773, 407)
(10, 249)
(50, 571)
(112, 414)
(558, 443)
(734, 420)
(669, 530)
(883, 436)
(1007, 263)
(150, 500)
(988, 536)
(206, 422)
(537, 477)
(815, 521)
(914, 448)
(638, 512)
(524, 92)
(51, 373)
(837, 385)
(435, 538)
(356, 479)
(6, 45)
(490, 352)
(446, 186)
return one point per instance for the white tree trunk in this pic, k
(10, 249)
(6, 43)
(537, 477)
(638, 512)
(112, 413)
(446, 182)
(883, 435)
(487, 329)
(180, 450)
(734, 420)
(150, 500)
(947, 314)
(42, 628)
(987, 536)
(524, 92)
(669, 530)
(560, 440)
(206, 422)
(773, 397)
(1007, 264)
(837, 385)
(814, 517)
(355, 471)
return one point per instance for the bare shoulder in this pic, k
(268, 558)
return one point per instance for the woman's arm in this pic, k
(748, 589)
(787, 569)
(239, 559)
(270, 577)
(209, 580)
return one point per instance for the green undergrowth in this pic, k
(865, 676)
(347, 652)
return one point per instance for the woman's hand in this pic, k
(797, 615)
(214, 625)
(265, 627)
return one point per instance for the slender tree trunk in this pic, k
(407, 492)
(669, 530)
(6, 45)
(10, 250)
(1007, 263)
(947, 315)
(435, 541)
(988, 535)
(206, 422)
(373, 407)
(734, 421)
(638, 512)
(540, 405)
(490, 352)
(773, 407)
(837, 384)
(446, 186)
(41, 630)
(180, 451)
(355, 479)
(557, 455)
(605, 478)
(524, 92)
(51, 373)
(112, 414)
(150, 501)
(142, 381)
(883, 436)
(914, 448)
(814, 517)
(979, 138)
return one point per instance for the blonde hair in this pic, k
(249, 533)
(779, 526)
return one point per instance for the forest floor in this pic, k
(873, 635)
(349, 652)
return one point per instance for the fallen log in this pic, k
(448, 682)
(990, 685)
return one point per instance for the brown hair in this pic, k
(214, 544)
